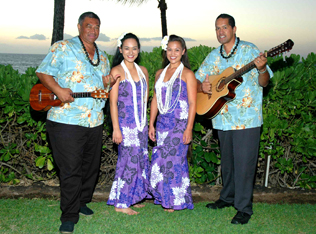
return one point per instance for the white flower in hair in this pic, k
(119, 40)
(164, 42)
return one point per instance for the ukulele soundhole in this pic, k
(221, 84)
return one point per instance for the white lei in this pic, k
(143, 82)
(167, 107)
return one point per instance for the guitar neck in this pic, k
(245, 69)
(81, 94)
(242, 71)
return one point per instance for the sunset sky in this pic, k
(26, 25)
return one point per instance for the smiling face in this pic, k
(224, 32)
(174, 52)
(129, 50)
(89, 30)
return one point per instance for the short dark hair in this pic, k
(184, 58)
(118, 56)
(231, 20)
(88, 14)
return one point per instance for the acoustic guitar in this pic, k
(42, 99)
(223, 85)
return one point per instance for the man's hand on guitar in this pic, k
(261, 62)
(206, 86)
(65, 95)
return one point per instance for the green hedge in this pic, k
(288, 133)
(289, 130)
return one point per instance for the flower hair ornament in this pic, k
(164, 42)
(119, 40)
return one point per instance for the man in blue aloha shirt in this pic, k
(239, 121)
(75, 129)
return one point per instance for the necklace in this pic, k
(167, 108)
(235, 47)
(143, 83)
(87, 55)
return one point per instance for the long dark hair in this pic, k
(118, 56)
(184, 58)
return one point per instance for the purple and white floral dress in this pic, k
(169, 171)
(131, 183)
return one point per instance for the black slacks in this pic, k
(239, 155)
(77, 154)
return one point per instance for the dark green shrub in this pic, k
(288, 133)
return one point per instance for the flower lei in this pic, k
(164, 42)
(119, 40)
(168, 107)
(142, 120)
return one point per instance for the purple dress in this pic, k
(130, 184)
(169, 171)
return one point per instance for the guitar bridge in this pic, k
(210, 94)
(40, 96)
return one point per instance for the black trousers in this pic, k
(77, 154)
(239, 156)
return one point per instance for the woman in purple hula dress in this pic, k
(175, 99)
(128, 103)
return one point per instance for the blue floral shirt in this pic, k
(67, 63)
(245, 110)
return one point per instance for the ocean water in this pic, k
(21, 62)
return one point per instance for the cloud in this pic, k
(150, 38)
(22, 37)
(34, 37)
(103, 37)
(38, 37)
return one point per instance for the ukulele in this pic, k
(223, 85)
(42, 99)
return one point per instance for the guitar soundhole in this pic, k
(220, 85)
(53, 97)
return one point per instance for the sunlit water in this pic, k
(21, 62)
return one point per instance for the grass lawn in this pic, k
(42, 216)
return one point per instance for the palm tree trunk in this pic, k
(59, 19)
(163, 8)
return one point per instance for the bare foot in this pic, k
(169, 210)
(128, 211)
(139, 205)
